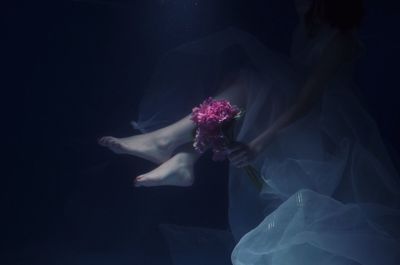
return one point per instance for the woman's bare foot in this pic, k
(147, 146)
(177, 171)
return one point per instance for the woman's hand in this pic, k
(241, 154)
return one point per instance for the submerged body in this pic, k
(331, 193)
(331, 190)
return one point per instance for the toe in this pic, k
(138, 181)
(147, 181)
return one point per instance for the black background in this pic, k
(76, 70)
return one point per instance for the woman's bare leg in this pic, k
(156, 146)
(159, 145)
(176, 171)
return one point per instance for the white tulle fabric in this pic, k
(331, 193)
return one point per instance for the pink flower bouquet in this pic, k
(214, 121)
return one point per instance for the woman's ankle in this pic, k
(186, 158)
(165, 142)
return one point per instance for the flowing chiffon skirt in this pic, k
(331, 192)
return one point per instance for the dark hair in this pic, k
(341, 14)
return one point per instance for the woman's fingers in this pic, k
(237, 150)
(234, 149)
(243, 160)
(238, 157)
(234, 154)
(242, 163)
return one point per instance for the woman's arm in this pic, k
(337, 52)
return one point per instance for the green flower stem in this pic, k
(254, 176)
(250, 170)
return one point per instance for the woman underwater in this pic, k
(331, 192)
